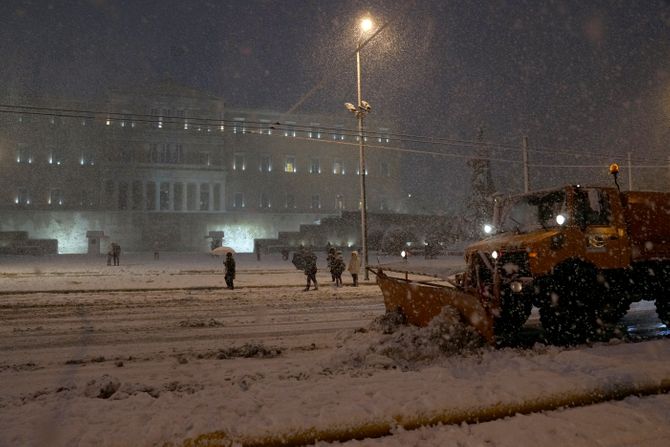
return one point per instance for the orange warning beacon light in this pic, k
(614, 170)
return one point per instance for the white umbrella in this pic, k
(220, 251)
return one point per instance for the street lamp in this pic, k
(360, 110)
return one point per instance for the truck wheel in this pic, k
(515, 310)
(567, 309)
(663, 310)
(615, 301)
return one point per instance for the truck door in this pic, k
(603, 240)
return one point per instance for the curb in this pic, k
(378, 429)
(158, 289)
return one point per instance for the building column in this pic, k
(157, 194)
(143, 193)
(197, 197)
(211, 197)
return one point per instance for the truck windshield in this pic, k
(523, 214)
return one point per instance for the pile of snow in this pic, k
(388, 343)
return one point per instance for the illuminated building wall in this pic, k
(168, 163)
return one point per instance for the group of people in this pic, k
(113, 253)
(337, 266)
(307, 259)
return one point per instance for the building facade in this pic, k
(170, 164)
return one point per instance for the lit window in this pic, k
(86, 158)
(314, 131)
(55, 156)
(383, 135)
(339, 202)
(338, 167)
(157, 120)
(266, 164)
(289, 129)
(290, 201)
(265, 201)
(23, 154)
(316, 202)
(55, 197)
(239, 125)
(87, 199)
(239, 162)
(205, 158)
(358, 171)
(338, 133)
(315, 166)
(238, 200)
(265, 127)
(289, 164)
(22, 197)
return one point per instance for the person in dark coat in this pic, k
(338, 268)
(330, 260)
(310, 270)
(229, 264)
(116, 253)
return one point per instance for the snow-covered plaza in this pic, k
(96, 355)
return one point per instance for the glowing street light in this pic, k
(360, 110)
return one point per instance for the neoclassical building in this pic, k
(170, 164)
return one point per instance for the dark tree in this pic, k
(479, 209)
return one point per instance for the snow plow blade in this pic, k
(420, 302)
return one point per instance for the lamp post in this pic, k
(360, 110)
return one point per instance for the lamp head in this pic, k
(366, 24)
(350, 107)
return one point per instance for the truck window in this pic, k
(593, 207)
(523, 214)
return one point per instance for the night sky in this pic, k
(575, 76)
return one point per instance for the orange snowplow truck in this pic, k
(580, 254)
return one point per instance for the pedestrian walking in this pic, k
(338, 268)
(330, 260)
(229, 264)
(116, 253)
(110, 253)
(310, 270)
(354, 267)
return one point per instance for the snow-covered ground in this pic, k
(156, 352)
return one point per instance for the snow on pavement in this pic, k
(145, 368)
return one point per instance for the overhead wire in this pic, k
(288, 127)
